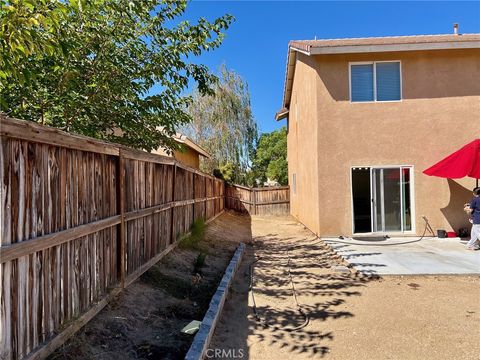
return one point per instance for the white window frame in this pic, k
(374, 63)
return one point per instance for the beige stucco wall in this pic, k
(301, 140)
(188, 156)
(439, 112)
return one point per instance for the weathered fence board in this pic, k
(80, 219)
(258, 201)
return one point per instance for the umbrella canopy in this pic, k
(464, 162)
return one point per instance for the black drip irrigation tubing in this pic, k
(427, 226)
(294, 291)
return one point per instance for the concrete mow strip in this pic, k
(205, 332)
(430, 256)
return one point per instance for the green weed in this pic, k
(194, 238)
(199, 262)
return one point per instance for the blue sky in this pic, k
(256, 43)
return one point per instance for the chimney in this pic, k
(455, 29)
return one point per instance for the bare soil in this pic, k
(349, 316)
(145, 320)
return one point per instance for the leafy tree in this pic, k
(229, 172)
(270, 159)
(111, 69)
(28, 30)
(251, 178)
(223, 125)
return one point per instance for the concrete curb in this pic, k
(204, 335)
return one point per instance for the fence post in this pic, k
(205, 202)
(172, 223)
(121, 195)
(194, 197)
(222, 190)
(254, 201)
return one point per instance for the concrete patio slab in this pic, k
(401, 256)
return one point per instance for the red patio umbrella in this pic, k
(464, 162)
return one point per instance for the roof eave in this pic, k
(287, 89)
(352, 49)
(185, 140)
(281, 114)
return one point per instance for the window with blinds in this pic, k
(375, 81)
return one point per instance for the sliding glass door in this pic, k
(390, 199)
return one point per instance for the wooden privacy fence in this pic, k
(81, 219)
(258, 201)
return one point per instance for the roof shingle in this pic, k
(307, 45)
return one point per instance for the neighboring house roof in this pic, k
(179, 138)
(368, 45)
(185, 140)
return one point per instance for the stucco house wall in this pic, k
(301, 142)
(187, 156)
(439, 112)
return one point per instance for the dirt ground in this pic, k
(144, 321)
(349, 316)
